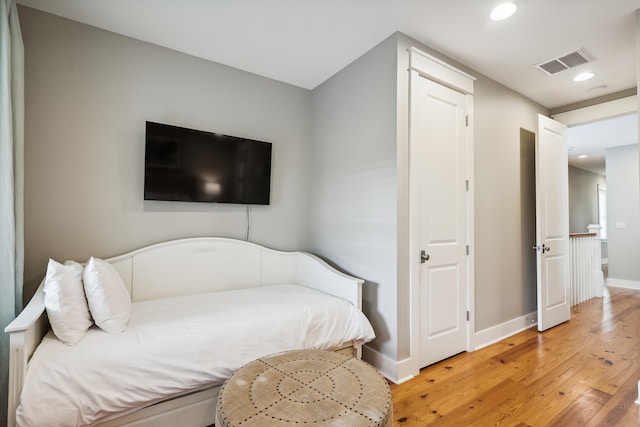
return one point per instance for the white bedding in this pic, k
(177, 345)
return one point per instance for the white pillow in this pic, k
(65, 301)
(108, 298)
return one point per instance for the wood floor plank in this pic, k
(581, 373)
(620, 406)
(605, 374)
(546, 402)
(439, 397)
(551, 355)
(468, 412)
(582, 410)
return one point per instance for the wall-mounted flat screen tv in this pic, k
(195, 166)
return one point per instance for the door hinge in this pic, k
(467, 315)
(467, 249)
(466, 184)
(466, 120)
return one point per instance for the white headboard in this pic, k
(207, 264)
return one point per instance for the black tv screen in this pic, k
(195, 166)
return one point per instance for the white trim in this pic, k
(414, 296)
(504, 330)
(622, 283)
(471, 273)
(396, 372)
(618, 107)
(434, 69)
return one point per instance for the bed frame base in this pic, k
(193, 410)
(196, 409)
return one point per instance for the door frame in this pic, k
(427, 66)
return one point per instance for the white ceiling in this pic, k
(304, 42)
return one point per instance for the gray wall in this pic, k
(88, 94)
(354, 191)
(623, 206)
(503, 220)
(583, 198)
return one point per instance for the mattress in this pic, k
(177, 345)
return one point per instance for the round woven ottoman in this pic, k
(313, 387)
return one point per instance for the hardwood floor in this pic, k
(582, 373)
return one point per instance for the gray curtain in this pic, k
(11, 182)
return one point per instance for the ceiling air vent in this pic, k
(564, 62)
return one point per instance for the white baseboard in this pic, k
(404, 370)
(504, 330)
(622, 283)
(397, 372)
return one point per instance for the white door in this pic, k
(552, 224)
(439, 236)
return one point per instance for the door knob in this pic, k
(424, 257)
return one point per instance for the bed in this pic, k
(201, 308)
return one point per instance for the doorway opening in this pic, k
(528, 216)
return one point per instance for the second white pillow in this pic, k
(65, 301)
(107, 295)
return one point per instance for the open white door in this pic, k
(552, 224)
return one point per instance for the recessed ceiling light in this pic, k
(582, 156)
(503, 11)
(583, 76)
